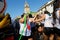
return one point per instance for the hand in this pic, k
(36, 21)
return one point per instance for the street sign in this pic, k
(2, 6)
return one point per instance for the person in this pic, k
(21, 23)
(56, 19)
(39, 34)
(57, 24)
(26, 32)
(48, 27)
(29, 26)
(16, 29)
(6, 31)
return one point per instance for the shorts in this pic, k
(24, 37)
(57, 31)
(48, 30)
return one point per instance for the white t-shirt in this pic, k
(48, 22)
(22, 29)
(26, 32)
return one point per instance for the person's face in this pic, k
(40, 29)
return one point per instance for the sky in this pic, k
(16, 7)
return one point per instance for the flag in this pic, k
(28, 26)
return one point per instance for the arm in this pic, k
(35, 16)
(42, 18)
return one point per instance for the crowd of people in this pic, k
(42, 26)
(28, 27)
(39, 27)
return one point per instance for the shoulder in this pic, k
(21, 20)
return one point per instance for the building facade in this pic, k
(48, 6)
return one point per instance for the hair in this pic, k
(22, 15)
(30, 15)
(38, 16)
(41, 25)
(46, 12)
